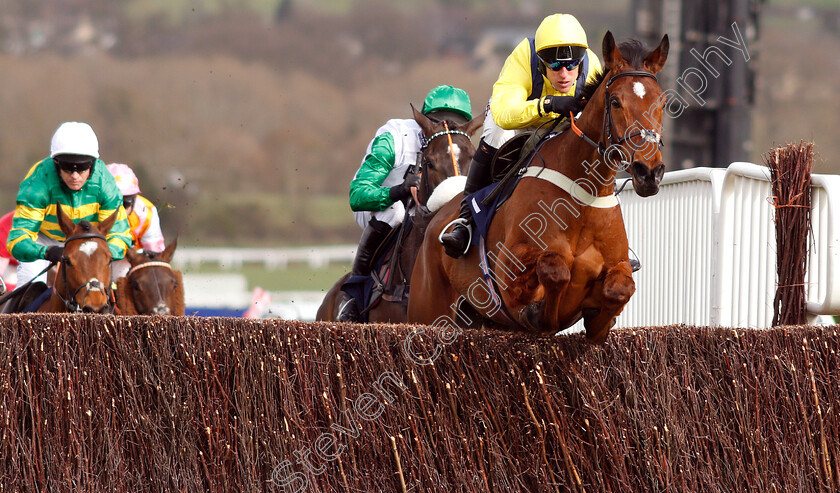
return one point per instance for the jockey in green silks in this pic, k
(382, 184)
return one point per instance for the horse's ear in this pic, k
(471, 126)
(613, 61)
(65, 223)
(656, 60)
(169, 251)
(133, 257)
(422, 120)
(105, 226)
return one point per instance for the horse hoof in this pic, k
(529, 316)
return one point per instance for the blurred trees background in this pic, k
(245, 120)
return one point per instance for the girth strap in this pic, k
(565, 183)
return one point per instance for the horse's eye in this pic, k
(615, 103)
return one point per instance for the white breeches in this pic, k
(26, 271)
(393, 215)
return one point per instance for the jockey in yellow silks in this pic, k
(538, 83)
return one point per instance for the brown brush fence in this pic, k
(98, 403)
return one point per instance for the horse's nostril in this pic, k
(659, 172)
(639, 170)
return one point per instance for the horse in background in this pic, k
(444, 159)
(151, 286)
(557, 249)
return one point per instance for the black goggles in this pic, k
(556, 65)
(71, 167)
(128, 201)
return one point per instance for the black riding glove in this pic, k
(403, 190)
(54, 253)
(561, 104)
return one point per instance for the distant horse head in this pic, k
(83, 277)
(151, 286)
(447, 151)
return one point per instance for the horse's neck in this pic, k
(410, 243)
(581, 161)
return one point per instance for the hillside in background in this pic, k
(247, 129)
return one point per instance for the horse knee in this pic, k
(619, 286)
(552, 270)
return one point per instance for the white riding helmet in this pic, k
(74, 138)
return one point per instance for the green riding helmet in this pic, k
(448, 98)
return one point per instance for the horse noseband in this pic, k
(95, 285)
(647, 135)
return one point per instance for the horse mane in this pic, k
(85, 225)
(634, 53)
(592, 86)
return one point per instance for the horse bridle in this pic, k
(608, 131)
(92, 285)
(427, 188)
(153, 263)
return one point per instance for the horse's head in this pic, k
(447, 150)
(84, 276)
(156, 288)
(633, 104)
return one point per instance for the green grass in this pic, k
(294, 278)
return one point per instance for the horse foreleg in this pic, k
(617, 289)
(554, 275)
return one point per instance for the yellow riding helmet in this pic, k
(560, 30)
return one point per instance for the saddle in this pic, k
(27, 298)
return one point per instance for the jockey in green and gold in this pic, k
(76, 178)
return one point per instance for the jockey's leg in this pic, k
(456, 242)
(374, 233)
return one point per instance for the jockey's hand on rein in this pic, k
(403, 190)
(54, 253)
(561, 104)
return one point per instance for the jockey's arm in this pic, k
(509, 104)
(25, 226)
(119, 238)
(152, 238)
(366, 190)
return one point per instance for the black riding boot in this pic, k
(456, 242)
(373, 235)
